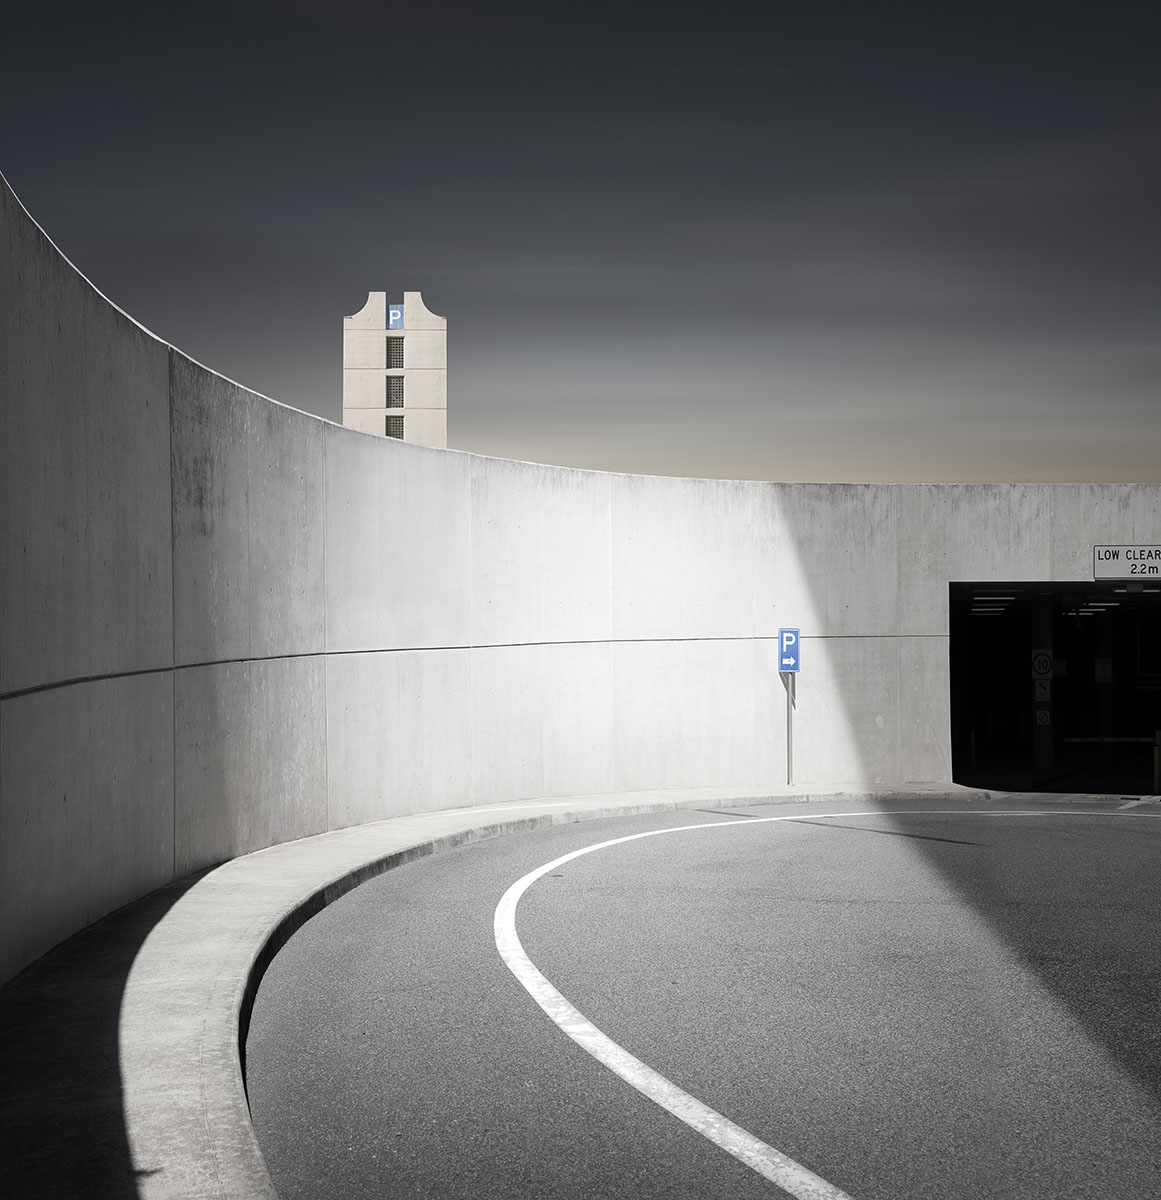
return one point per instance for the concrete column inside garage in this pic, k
(1056, 686)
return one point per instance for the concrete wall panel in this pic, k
(577, 742)
(41, 587)
(838, 558)
(718, 719)
(684, 557)
(684, 714)
(646, 550)
(425, 349)
(212, 780)
(211, 522)
(859, 561)
(364, 389)
(288, 753)
(507, 708)
(84, 474)
(364, 420)
(427, 426)
(127, 532)
(423, 389)
(44, 581)
(846, 721)
(769, 715)
(287, 519)
(648, 678)
(718, 560)
(86, 807)
(924, 710)
(540, 553)
(1091, 515)
(398, 734)
(365, 349)
(782, 586)
(131, 728)
(971, 533)
(541, 721)
(803, 533)
(44, 821)
(396, 544)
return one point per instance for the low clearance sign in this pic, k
(1125, 562)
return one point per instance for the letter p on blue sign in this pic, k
(789, 650)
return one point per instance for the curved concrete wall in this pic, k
(227, 624)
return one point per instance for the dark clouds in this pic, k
(843, 241)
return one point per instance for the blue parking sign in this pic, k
(789, 650)
(394, 316)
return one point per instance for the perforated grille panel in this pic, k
(394, 391)
(395, 427)
(394, 352)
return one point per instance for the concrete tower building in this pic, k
(395, 370)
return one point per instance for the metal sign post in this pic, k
(790, 686)
(789, 664)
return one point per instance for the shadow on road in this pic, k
(1078, 899)
(61, 1122)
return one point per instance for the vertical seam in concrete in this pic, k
(172, 611)
(949, 744)
(613, 774)
(89, 904)
(897, 757)
(324, 441)
(236, 820)
(899, 634)
(1051, 504)
(173, 776)
(239, 834)
(752, 542)
(471, 638)
(248, 442)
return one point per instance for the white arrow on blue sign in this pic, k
(789, 650)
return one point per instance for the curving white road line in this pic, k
(789, 1175)
(780, 1169)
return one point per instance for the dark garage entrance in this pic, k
(1056, 686)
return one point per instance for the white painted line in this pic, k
(779, 1168)
(1136, 803)
(775, 1166)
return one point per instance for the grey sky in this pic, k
(841, 242)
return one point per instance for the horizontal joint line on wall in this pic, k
(17, 693)
(862, 637)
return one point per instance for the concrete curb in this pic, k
(185, 1007)
(189, 1126)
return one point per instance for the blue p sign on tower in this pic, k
(789, 650)
(395, 316)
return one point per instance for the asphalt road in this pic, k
(910, 1005)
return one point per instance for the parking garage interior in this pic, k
(1056, 686)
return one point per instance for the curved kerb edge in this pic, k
(325, 896)
(215, 1134)
(226, 1136)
